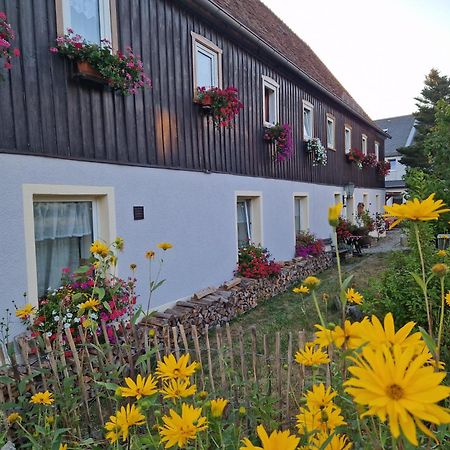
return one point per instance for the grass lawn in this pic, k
(289, 312)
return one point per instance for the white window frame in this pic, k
(303, 197)
(271, 84)
(376, 147)
(349, 129)
(309, 107)
(103, 212)
(107, 16)
(364, 144)
(331, 119)
(255, 197)
(389, 160)
(199, 42)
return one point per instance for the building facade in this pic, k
(81, 162)
(402, 132)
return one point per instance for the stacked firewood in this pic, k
(216, 306)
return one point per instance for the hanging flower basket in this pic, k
(86, 71)
(281, 137)
(318, 151)
(383, 168)
(222, 104)
(357, 157)
(370, 160)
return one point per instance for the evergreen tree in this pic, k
(436, 88)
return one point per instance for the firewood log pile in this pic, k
(216, 306)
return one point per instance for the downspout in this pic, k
(200, 6)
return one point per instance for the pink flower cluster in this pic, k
(224, 103)
(281, 136)
(6, 36)
(383, 168)
(370, 160)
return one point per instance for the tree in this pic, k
(436, 88)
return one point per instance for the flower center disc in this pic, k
(395, 391)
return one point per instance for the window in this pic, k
(270, 101)
(207, 63)
(348, 139)
(364, 144)
(301, 213)
(331, 132)
(366, 201)
(93, 19)
(337, 198)
(350, 209)
(377, 150)
(248, 218)
(60, 224)
(393, 162)
(63, 233)
(308, 120)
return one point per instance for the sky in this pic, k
(380, 50)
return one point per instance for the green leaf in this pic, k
(419, 281)
(154, 286)
(346, 282)
(100, 292)
(107, 307)
(325, 444)
(82, 269)
(109, 386)
(428, 340)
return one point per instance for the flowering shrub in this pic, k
(318, 151)
(224, 103)
(124, 72)
(343, 229)
(306, 244)
(281, 137)
(6, 36)
(370, 160)
(357, 156)
(383, 168)
(86, 297)
(254, 262)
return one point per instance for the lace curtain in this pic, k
(63, 234)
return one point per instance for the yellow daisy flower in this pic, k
(311, 282)
(348, 337)
(176, 389)
(25, 312)
(324, 336)
(180, 429)
(164, 246)
(121, 422)
(311, 356)
(338, 442)
(171, 368)
(416, 210)
(62, 447)
(278, 440)
(142, 387)
(92, 303)
(441, 253)
(320, 421)
(440, 269)
(150, 254)
(354, 296)
(447, 298)
(99, 248)
(217, 406)
(393, 383)
(333, 214)
(301, 290)
(13, 418)
(42, 398)
(319, 397)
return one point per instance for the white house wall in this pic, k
(196, 212)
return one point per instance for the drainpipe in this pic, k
(202, 6)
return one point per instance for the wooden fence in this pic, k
(233, 362)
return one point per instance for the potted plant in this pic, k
(6, 37)
(223, 104)
(123, 72)
(318, 151)
(383, 168)
(357, 156)
(281, 137)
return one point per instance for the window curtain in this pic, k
(243, 218)
(63, 234)
(330, 134)
(307, 125)
(85, 19)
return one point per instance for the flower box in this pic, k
(84, 70)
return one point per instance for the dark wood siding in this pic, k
(45, 112)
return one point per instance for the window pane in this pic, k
(85, 19)
(298, 219)
(307, 123)
(267, 104)
(63, 234)
(348, 139)
(243, 222)
(330, 133)
(393, 164)
(205, 69)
